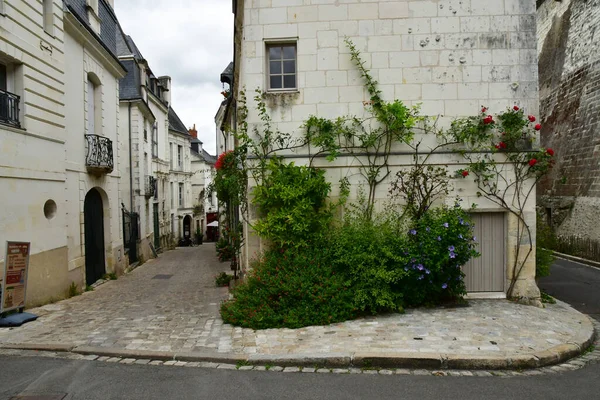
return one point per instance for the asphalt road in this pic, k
(104, 381)
(576, 284)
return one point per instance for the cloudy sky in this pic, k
(192, 42)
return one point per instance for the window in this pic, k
(181, 195)
(173, 225)
(94, 105)
(171, 154)
(282, 66)
(145, 130)
(179, 156)
(172, 195)
(155, 139)
(49, 16)
(9, 101)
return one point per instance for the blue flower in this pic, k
(462, 221)
(451, 248)
(413, 232)
(452, 255)
(445, 224)
(427, 271)
(439, 238)
(427, 229)
(460, 236)
(445, 286)
(421, 277)
(475, 238)
(420, 267)
(406, 268)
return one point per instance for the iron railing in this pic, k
(9, 108)
(99, 154)
(150, 186)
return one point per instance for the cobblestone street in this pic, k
(142, 312)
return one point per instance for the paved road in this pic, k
(576, 284)
(104, 381)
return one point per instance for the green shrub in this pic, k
(389, 266)
(371, 257)
(223, 279)
(545, 241)
(290, 288)
(292, 204)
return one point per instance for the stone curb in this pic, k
(589, 263)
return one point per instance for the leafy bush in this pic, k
(223, 279)
(389, 266)
(292, 204)
(290, 288)
(224, 249)
(545, 241)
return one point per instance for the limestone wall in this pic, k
(569, 52)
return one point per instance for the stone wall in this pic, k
(449, 56)
(569, 53)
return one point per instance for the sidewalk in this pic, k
(168, 309)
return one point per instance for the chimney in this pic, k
(165, 81)
(194, 132)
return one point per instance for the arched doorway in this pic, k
(187, 227)
(94, 237)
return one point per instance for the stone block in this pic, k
(391, 75)
(405, 59)
(439, 91)
(327, 39)
(337, 78)
(393, 10)
(363, 11)
(327, 58)
(333, 12)
(475, 24)
(445, 25)
(310, 29)
(280, 31)
(315, 78)
(319, 95)
(303, 14)
(345, 28)
(384, 43)
(423, 8)
(408, 92)
(271, 15)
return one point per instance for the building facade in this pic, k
(204, 201)
(451, 57)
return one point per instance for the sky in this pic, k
(192, 42)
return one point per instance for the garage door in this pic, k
(486, 273)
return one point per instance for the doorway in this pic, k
(93, 212)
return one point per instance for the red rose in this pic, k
(531, 118)
(488, 120)
(483, 109)
(532, 162)
(516, 108)
(502, 145)
(465, 173)
(497, 146)
(550, 152)
(538, 127)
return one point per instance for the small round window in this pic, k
(50, 209)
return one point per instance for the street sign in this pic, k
(14, 285)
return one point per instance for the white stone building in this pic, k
(180, 178)
(61, 173)
(450, 56)
(204, 201)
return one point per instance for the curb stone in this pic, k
(555, 360)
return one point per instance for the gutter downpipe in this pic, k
(130, 163)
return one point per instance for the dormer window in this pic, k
(93, 15)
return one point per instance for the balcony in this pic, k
(99, 154)
(9, 108)
(150, 186)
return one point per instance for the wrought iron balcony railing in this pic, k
(99, 156)
(150, 186)
(9, 108)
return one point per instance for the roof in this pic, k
(108, 22)
(227, 74)
(207, 157)
(175, 123)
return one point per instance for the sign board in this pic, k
(14, 285)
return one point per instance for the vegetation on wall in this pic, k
(319, 269)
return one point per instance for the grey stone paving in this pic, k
(138, 312)
(180, 314)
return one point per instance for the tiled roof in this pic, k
(175, 123)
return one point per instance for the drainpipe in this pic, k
(130, 163)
